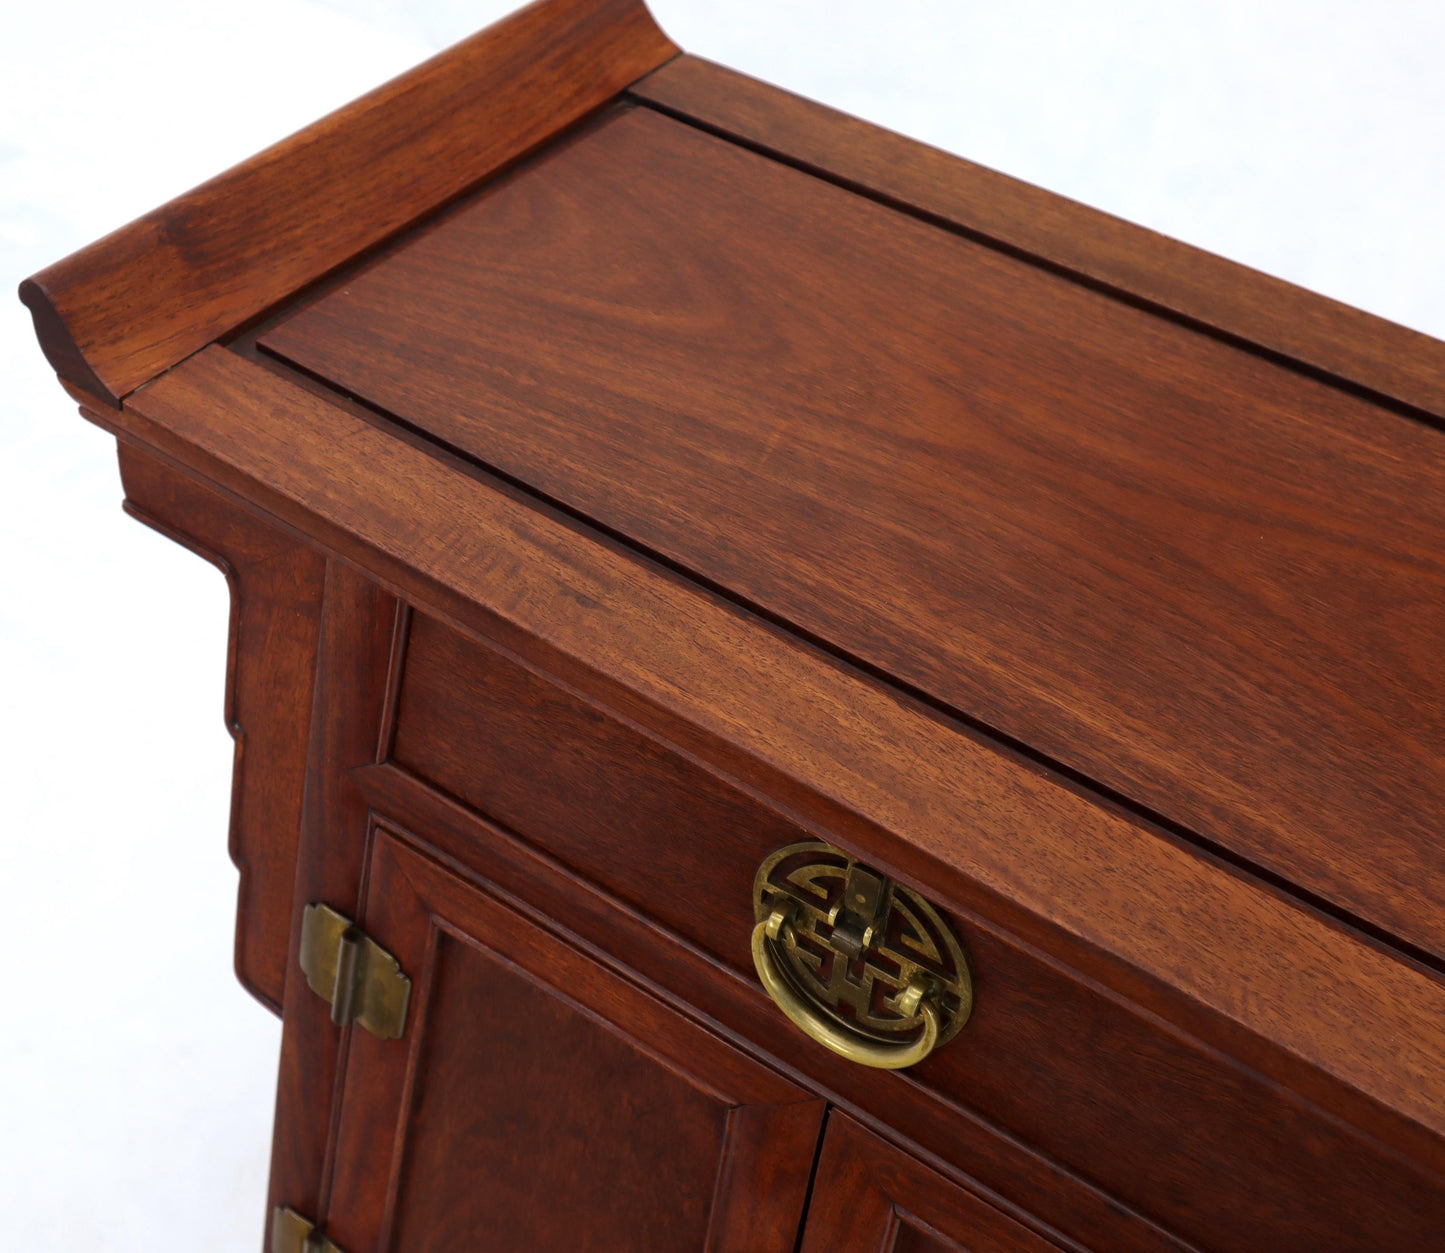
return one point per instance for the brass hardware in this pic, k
(290, 1233)
(361, 979)
(866, 967)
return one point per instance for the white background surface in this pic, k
(136, 1078)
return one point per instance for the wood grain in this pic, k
(1283, 990)
(358, 627)
(871, 1198)
(1090, 585)
(123, 309)
(1225, 298)
(541, 1102)
(276, 585)
(673, 843)
(1011, 1173)
(640, 820)
(1210, 584)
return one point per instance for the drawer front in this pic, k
(1052, 1078)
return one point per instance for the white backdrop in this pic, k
(1304, 137)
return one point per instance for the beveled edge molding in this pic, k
(121, 310)
(1265, 979)
(1324, 337)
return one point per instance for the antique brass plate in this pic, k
(361, 979)
(866, 967)
(290, 1233)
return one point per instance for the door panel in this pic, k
(558, 1113)
(541, 1101)
(870, 1197)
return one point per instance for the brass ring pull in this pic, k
(861, 964)
(822, 1028)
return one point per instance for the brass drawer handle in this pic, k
(821, 1026)
(864, 966)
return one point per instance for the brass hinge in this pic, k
(361, 979)
(290, 1233)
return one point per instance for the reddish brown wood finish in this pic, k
(1229, 299)
(871, 1198)
(1213, 585)
(1291, 994)
(542, 1102)
(358, 634)
(643, 822)
(674, 843)
(1089, 585)
(997, 1163)
(275, 583)
(130, 305)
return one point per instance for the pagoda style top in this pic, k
(1094, 583)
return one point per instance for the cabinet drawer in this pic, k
(1134, 1112)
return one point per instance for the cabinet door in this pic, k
(870, 1197)
(540, 1101)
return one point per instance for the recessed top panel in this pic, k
(1203, 580)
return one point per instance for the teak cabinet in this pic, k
(792, 692)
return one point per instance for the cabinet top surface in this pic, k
(941, 464)
(1209, 582)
